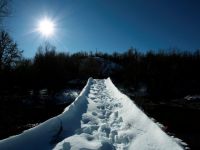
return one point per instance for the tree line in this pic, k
(165, 73)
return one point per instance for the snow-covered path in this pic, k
(100, 118)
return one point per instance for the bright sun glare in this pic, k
(46, 27)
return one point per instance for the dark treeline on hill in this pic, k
(165, 74)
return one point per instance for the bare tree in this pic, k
(9, 52)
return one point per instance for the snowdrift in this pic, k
(101, 117)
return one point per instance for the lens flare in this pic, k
(46, 27)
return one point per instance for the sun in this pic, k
(46, 27)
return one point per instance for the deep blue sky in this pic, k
(107, 25)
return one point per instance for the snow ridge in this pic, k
(100, 118)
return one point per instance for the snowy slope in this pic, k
(66, 96)
(100, 118)
(101, 66)
(107, 67)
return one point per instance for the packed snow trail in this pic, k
(100, 118)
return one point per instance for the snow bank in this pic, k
(145, 134)
(101, 118)
(45, 135)
(38, 137)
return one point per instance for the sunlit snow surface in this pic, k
(100, 118)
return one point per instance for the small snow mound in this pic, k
(192, 97)
(66, 96)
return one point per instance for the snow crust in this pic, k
(101, 118)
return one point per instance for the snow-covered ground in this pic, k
(101, 118)
(66, 96)
(192, 97)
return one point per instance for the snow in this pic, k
(66, 96)
(101, 118)
(107, 67)
(192, 97)
(103, 66)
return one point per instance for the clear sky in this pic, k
(107, 25)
